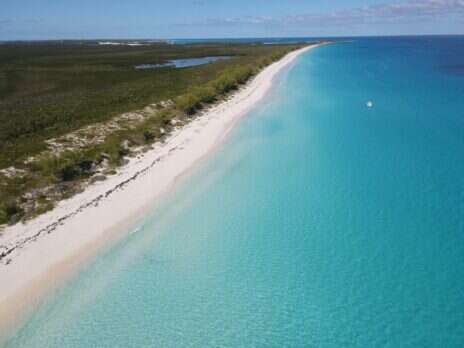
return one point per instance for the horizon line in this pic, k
(228, 38)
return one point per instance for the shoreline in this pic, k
(50, 248)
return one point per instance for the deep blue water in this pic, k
(319, 223)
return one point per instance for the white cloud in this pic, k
(382, 13)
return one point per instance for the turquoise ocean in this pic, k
(320, 222)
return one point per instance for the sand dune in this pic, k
(41, 253)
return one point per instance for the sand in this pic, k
(47, 249)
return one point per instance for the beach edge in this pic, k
(60, 241)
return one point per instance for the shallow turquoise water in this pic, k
(320, 223)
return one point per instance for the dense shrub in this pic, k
(23, 135)
(148, 136)
(227, 81)
(3, 216)
(188, 103)
(65, 167)
(10, 210)
(69, 172)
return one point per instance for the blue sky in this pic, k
(57, 19)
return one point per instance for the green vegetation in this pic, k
(50, 89)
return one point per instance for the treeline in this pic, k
(227, 81)
(55, 177)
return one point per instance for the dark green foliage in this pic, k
(189, 103)
(69, 172)
(10, 211)
(47, 90)
(227, 81)
(148, 136)
(3, 216)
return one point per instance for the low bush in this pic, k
(61, 171)
(10, 211)
(3, 216)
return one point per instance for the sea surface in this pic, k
(320, 222)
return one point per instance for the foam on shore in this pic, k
(46, 250)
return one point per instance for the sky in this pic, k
(165, 19)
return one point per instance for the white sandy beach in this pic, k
(45, 250)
